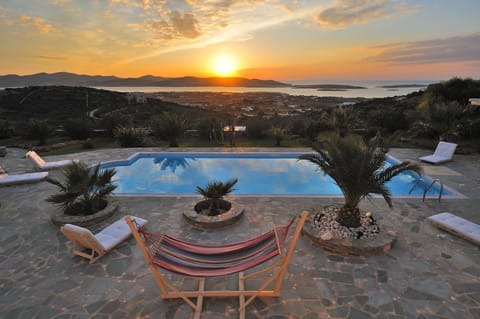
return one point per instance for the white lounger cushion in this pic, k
(443, 153)
(7, 180)
(40, 164)
(110, 236)
(457, 226)
(117, 232)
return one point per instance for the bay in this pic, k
(371, 89)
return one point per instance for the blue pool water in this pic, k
(257, 173)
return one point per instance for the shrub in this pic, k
(130, 136)
(278, 134)
(6, 130)
(169, 126)
(257, 128)
(114, 120)
(38, 130)
(79, 129)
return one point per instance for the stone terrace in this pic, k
(427, 274)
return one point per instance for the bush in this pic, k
(469, 128)
(130, 136)
(79, 129)
(257, 128)
(88, 144)
(389, 120)
(169, 126)
(6, 130)
(111, 122)
(38, 130)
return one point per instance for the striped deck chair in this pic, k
(201, 261)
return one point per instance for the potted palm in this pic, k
(213, 203)
(214, 211)
(358, 168)
(83, 194)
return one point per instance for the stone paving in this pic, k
(427, 274)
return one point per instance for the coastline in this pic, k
(369, 91)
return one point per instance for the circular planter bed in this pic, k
(211, 222)
(376, 245)
(60, 218)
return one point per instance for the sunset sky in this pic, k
(286, 40)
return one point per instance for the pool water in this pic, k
(257, 174)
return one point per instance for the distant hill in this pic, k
(71, 79)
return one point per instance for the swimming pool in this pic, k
(277, 174)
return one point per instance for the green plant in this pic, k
(84, 190)
(78, 129)
(278, 134)
(130, 136)
(357, 167)
(39, 130)
(214, 193)
(169, 126)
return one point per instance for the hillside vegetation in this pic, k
(41, 116)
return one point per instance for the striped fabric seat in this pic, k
(198, 260)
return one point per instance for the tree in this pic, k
(169, 126)
(341, 121)
(357, 167)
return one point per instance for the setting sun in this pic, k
(224, 65)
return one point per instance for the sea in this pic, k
(371, 89)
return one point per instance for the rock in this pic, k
(327, 236)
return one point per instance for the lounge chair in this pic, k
(8, 180)
(92, 247)
(200, 261)
(443, 153)
(457, 226)
(40, 165)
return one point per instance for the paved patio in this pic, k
(428, 273)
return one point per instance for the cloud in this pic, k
(185, 24)
(453, 49)
(38, 23)
(210, 23)
(46, 57)
(60, 2)
(4, 16)
(347, 12)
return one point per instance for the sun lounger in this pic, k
(40, 165)
(8, 180)
(92, 247)
(457, 226)
(443, 153)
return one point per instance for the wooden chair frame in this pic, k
(169, 291)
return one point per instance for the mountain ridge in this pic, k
(73, 79)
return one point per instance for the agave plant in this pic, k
(214, 193)
(358, 168)
(84, 191)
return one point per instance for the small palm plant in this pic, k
(213, 194)
(357, 167)
(84, 191)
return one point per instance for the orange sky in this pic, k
(287, 40)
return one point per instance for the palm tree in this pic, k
(84, 191)
(214, 193)
(357, 166)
